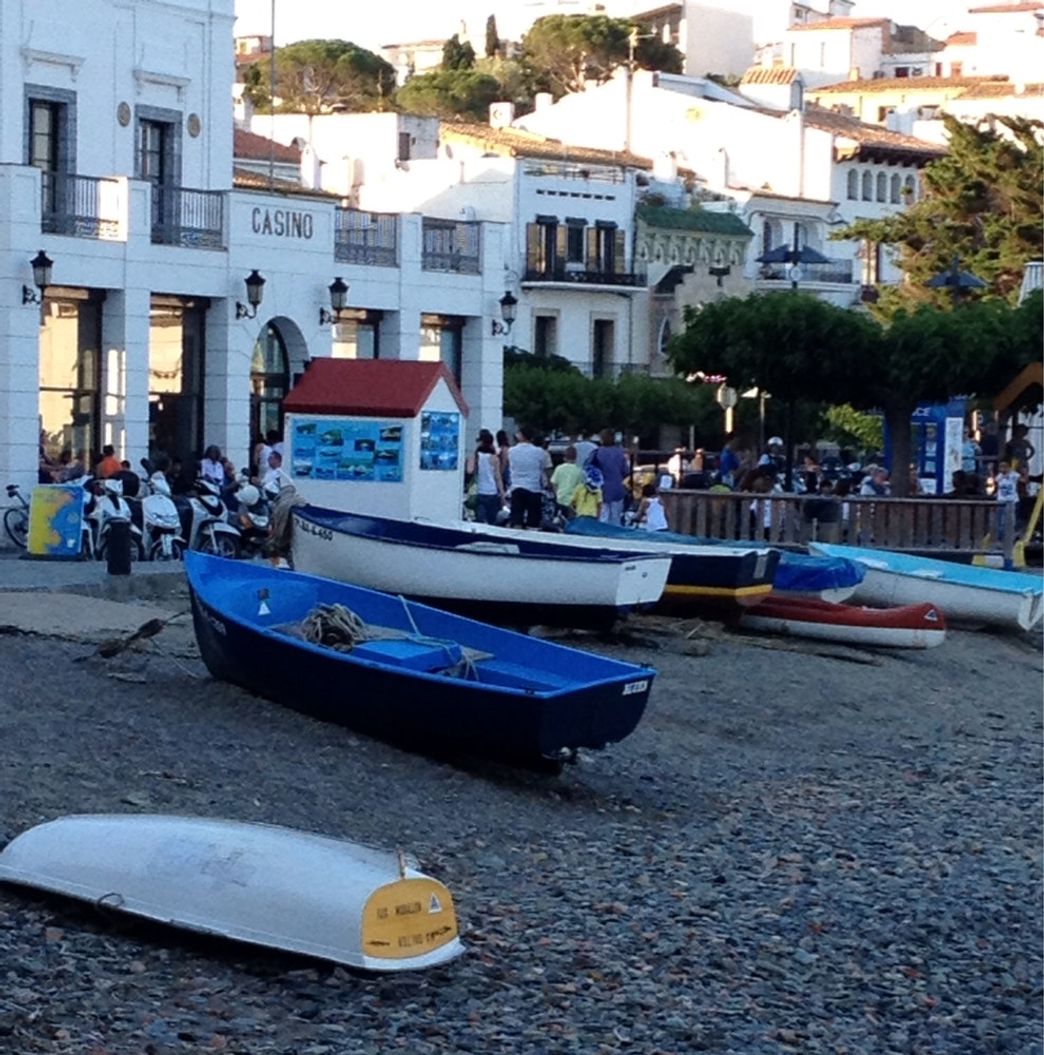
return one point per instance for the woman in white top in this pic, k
(651, 514)
(484, 467)
(212, 466)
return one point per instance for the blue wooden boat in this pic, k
(430, 680)
(791, 574)
(962, 591)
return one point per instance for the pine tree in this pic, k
(492, 40)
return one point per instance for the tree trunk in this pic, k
(898, 419)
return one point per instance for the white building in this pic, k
(712, 37)
(996, 40)
(793, 175)
(116, 143)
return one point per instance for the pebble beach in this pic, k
(798, 850)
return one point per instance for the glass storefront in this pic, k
(356, 335)
(70, 375)
(269, 381)
(176, 362)
(442, 339)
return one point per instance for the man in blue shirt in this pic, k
(612, 462)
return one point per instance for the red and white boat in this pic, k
(907, 626)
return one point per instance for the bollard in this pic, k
(118, 548)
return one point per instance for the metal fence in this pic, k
(80, 206)
(366, 238)
(450, 245)
(835, 270)
(186, 217)
(583, 277)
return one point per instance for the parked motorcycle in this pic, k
(161, 525)
(105, 506)
(204, 521)
(254, 518)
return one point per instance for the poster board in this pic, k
(347, 450)
(440, 441)
(56, 520)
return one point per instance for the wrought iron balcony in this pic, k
(194, 219)
(450, 245)
(366, 238)
(584, 276)
(80, 206)
(835, 270)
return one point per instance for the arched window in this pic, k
(269, 381)
(766, 236)
(868, 186)
(853, 185)
(910, 188)
(896, 184)
(882, 187)
(665, 338)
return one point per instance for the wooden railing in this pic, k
(920, 524)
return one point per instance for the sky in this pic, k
(374, 24)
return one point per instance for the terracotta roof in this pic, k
(958, 40)
(247, 179)
(912, 84)
(518, 143)
(693, 220)
(395, 388)
(867, 136)
(1001, 90)
(769, 75)
(1004, 9)
(840, 23)
(249, 145)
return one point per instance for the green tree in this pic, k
(317, 76)
(981, 203)
(849, 427)
(255, 86)
(562, 52)
(457, 56)
(449, 94)
(492, 39)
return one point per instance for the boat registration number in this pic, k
(314, 529)
(409, 917)
(635, 686)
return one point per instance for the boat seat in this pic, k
(412, 655)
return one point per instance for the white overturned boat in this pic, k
(523, 578)
(255, 883)
(961, 591)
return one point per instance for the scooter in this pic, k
(161, 524)
(254, 518)
(204, 522)
(105, 506)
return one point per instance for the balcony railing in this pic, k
(584, 277)
(450, 245)
(834, 270)
(366, 238)
(186, 217)
(80, 206)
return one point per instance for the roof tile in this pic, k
(769, 75)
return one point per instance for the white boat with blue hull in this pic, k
(961, 591)
(523, 579)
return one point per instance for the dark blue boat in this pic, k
(433, 681)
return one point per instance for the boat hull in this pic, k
(913, 626)
(506, 580)
(533, 711)
(960, 591)
(255, 883)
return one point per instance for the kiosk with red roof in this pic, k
(378, 436)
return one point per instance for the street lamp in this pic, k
(41, 265)
(955, 280)
(338, 302)
(508, 304)
(793, 258)
(255, 291)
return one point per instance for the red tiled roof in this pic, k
(957, 40)
(251, 146)
(840, 23)
(770, 75)
(867, 136)
(1004, 9)
(395, 388)
(910, 84)
(1001, 90)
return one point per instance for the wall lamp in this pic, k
(255, 291)
(508, 303)
(41, 265)
(338, 302)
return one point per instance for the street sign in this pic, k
(727, 397)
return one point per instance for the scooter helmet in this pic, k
(248, 495)
(775, 441)
(593, 478)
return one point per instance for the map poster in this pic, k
(347, 450)
(56, 520)
(439, 440)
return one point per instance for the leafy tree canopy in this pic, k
(449, 93)
(317, 76)
(562, 52)
(981, 204)
(457, 56)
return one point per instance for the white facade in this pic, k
(836, 50)
(137, 342)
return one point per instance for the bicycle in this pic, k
(16, 518)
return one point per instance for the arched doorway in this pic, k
(269, 383)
